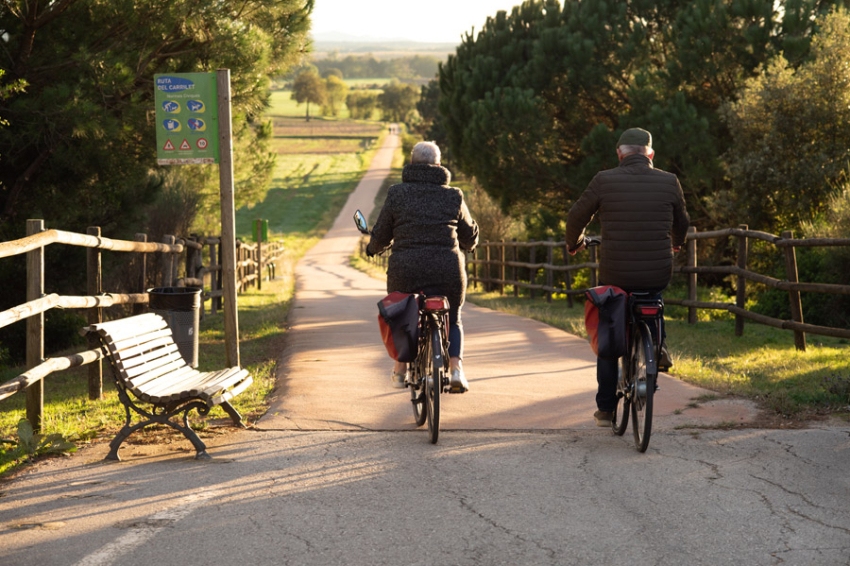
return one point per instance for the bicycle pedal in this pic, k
(457, 390)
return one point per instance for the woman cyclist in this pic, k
(429, 227)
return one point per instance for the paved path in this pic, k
(335, 474)
(523, 375)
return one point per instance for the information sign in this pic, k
(186, 118)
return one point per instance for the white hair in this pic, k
(630, 149)
(425, 152)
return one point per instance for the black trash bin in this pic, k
(180, 307)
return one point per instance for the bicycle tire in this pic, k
(434, 382)
(624, 400)
(643, 387)
(417, 392)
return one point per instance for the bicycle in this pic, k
(428, 373)
(638, 368)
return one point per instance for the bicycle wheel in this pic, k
(643, 388)
(434, 383)
(624, 399)
(417, 391)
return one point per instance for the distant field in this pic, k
(298, 136)
(441, 54)
(283, 105)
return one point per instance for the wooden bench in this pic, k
(147, 366)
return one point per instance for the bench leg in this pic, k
(234, 414)
(164, 417)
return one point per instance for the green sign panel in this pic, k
(186, 118)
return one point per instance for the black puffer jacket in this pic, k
(428, 225)
(643, 215)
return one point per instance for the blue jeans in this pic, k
(606, 374)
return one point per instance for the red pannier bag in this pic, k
(605, 318)
(398, 321)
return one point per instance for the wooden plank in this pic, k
(231, 393)
(226, 383)
(130, 364)
(155, 373)
(173, 360)
(147, 382)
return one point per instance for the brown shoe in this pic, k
(665, 362)
(603, 418)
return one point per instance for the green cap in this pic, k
(635, 136)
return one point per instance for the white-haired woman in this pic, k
(429, 227)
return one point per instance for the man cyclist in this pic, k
(643, 221)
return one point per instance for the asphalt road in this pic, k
(337, 474)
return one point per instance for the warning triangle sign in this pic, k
(168, 146)
(185, 145)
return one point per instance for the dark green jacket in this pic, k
(643, 215)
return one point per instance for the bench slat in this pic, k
(225, 381)
(157, 382)
(122, 328)
(128, 351)
(172, 361)
(145, 380)
(232, 392)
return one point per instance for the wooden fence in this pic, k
(546, 267)
(178, 262)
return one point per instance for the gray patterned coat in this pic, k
(428, 226)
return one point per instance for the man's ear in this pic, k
(651, 154)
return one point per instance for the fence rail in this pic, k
(497, 265)
(175, 255)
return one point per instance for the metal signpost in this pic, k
(193, 126)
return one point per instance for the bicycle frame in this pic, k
(645, 316)
(429, 371)
(636, 387)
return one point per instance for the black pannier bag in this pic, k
(605, 318)
(398, 321)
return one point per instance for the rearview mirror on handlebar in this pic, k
(360, 222)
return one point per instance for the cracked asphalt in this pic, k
(337, 474)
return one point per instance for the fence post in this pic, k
(794, 295)
(260, 264)
(215, 277)
(513, 268)
(166, 264)
(741, 292)
(532, 271)
(94, 287)
(568, 275)
(550, 282)
(502, 258)
(139, 308)
(692, 277)
(488, 285)
(35, 327)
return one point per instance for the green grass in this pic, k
(762, 365)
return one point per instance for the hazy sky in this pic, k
(416, 20)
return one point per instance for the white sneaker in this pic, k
(458, 382)
(397, 379)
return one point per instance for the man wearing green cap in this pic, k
(643, 221)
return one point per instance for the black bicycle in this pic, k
(429, 371)
(638, 368)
